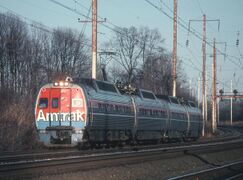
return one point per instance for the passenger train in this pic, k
(88, 112)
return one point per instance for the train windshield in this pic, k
(55, 103)
(43, 103)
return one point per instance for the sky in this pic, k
(126, 13)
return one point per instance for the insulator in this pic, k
(187, 43)
(237, 42)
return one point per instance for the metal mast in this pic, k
(203, 71)
(231, 103)
(204, 99)
(214, 96)
(174, 48)
(94, 38)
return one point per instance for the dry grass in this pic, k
(17, 128)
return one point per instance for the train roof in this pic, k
(127, 89)
(176, 100)
(163, 97)
(115, 88)
(97, 84)
(168, 98)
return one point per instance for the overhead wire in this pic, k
(200, 7)
(193, 66)
(35, 24)
(87, 17)
(188, 49)
(85, 23)
(75, 11)
(192, 30)
(107, 21)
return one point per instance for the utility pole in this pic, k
(198, 92)
(214, 96)
(218, 112)
(174, 48)
(94, 38)
(204, 101)
(204, 98)
(231, 103)
(190, 88)
(215, 104)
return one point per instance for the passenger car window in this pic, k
(43, 103)
(192, 104)
(106, 87)
(54, 102)
(174, 100)
(147, 95)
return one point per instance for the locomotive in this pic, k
(88, 112)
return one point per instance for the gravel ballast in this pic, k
(159, 169)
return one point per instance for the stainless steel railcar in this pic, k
(96, 112)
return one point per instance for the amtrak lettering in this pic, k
(73, 116)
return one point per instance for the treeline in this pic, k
(225, 110)
(142, 61)
(31, 56)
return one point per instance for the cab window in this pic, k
(54, 102)
(43, 103)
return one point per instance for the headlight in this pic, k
(42, 131)
(61, 83)
(79, 131)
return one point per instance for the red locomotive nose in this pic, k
(60, 104)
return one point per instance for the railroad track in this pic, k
(32, 168)
(226, 135)
(230, 171)
(29, 165)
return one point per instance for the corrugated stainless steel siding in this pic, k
(108, 120)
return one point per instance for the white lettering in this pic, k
(54, 117)
(79, 116)
(73, 116)
(41, 116)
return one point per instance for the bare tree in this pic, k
(150, 42)
(67, 52)
(30, 57)
(127, 45)
(3, 30)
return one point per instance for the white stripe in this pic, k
(150, 118)
(118, 115)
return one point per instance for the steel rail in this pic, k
(86, 162)
(226, 171)
(23, 156)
